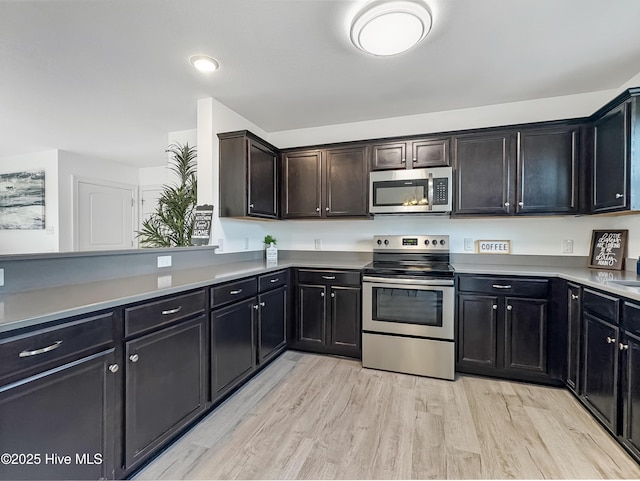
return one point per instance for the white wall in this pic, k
(41, 240)
(72, 165)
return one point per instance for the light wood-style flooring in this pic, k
(316, 417)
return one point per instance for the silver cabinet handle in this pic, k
(237, 291)
(134, 358)
(507, 204)
(317, 209)
(403, 160)
(329, 278)
(274, 280)
(172, 311)
(610, 340)
(327, 209)
(521, 204)
(322, 294)
(251, 206)
(501, 286)
(624, 347)
(509, 308)
(256, 307)
(262, 304)
(333, 294)
(42, 350)
(575, 296)
(415, 159)
(114, 368)
(495, 307)
(619, 196)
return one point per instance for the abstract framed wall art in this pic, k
(22, 200)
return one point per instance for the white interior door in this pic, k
(105, 215)
(149, 195)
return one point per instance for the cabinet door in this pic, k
(345, 320)
(346, 185)
(68, 411)
(611, 161)
(477, 331)
(548, 170)
(574, 314)
(600, 376)
(311, 322)
(430, 153)
(263, 181)
(484, 175)
(302, 175)
(525, 335)
(630, 349)
(233, 346)
(273, 321)
(165, 385)
(391, 155)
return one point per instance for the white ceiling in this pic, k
(109, 79)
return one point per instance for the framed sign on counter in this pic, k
(202, 225)
(608, 249)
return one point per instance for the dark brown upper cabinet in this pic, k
(534, 170)
(484, 173)
(411, 154)
(325, 183)
(548, 171)
(248, 176)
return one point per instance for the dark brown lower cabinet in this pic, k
(233, 341)
(61, 424)
(328, 314)
(477, 331)
(525, 343)
(574, 331)
(630, 349)
(165, 386)
(273, 323)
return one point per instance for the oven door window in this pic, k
(408, 306)
(400, 192)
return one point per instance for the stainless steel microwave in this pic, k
(412, 191)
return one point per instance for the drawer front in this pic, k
(233, 291)
(272, 280)
(48, 347)
(631, 317)
(606, 307)
(349, 278)
(158, 313)
(510, 286)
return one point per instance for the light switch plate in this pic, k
(1, 277)
(567, 246)
(468, 244)
(318, 244)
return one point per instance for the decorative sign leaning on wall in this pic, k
(202, 225)
(493, 247)
(22, 200)
(608, 249)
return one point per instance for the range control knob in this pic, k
(426, 242)
(379, 242)
(386, 242)
(434, 242)
(442, 242)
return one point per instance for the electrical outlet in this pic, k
(318, 244)
(468, 244)
(1, 277)
(220, 245)
(164, 261)
(246, 243)
(164, 282)
(567, 246)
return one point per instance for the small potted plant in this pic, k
(272, 253)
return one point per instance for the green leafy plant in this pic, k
(171, 224)
(269, 239)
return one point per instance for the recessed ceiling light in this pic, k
(390, 28)
(204, 63)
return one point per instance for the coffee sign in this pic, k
(608, 249)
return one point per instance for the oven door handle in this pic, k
(408, 282)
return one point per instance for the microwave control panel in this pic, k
(440, 191)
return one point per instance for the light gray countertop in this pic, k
(28, 308)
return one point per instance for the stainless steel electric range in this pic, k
(407, 306)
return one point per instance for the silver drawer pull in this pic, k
(509, 308)
(134, 358)
(171, 311)
(574, 296)
(237, 291)
(329, 278)
(619, 196)
(274, 280)
(610, 340)
(114, 368)
(35, 352)
(500, 286)
(495, 307)
(624, 347)
(262, 304)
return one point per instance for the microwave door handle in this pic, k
(430, 191)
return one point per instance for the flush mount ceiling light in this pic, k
(390, 28)
(204, 63)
